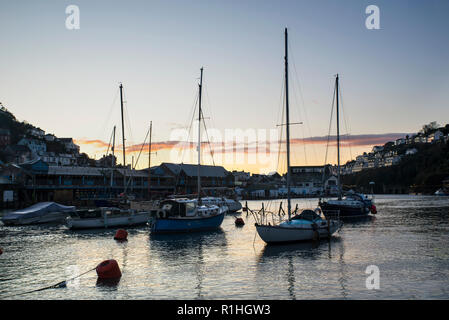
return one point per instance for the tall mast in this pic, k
(149, 162)
(199, 136)
(123, 136)
(338, 138)
(113, 157)
(287, 125)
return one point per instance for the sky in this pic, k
(393, 79)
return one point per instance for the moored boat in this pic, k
(185, 215)
(306, 226)
(303, 227)
(106, 218)
(42, 212)
(352, 205)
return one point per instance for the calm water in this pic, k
(408, 240)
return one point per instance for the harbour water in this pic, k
(408, 241)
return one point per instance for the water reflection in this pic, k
(186, 249)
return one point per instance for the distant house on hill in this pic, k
(411, 151)
(400, 141)
(436, 136)
(36, 132)
(49, 137)
(377, 149)
(5, 137)
(70, 145)
(37, 147)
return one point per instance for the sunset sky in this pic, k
(393, 80)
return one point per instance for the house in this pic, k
(5, 137)
(377, 149)
(240, 177)
(399, 141)
(17, 154)
(420, 139)
(436, 136)
(36, 132)
(391, 161)
(309, 180)
(186, 177)
(50, 137)
(37, 147)
(411, 151)
(70, 146)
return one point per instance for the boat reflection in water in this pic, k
(289, 261)
(189, 254)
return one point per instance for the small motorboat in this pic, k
(350, 206)
(42, 212)
(106, 218)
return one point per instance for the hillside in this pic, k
(422, 172)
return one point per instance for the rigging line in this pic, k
(347, 138)
(282, 103)
(140, 152)
(109, 144)
(329, 132)
(306, 118)
(190, 126)
(135, 164)
(103, 127)
(208, 141)
(127, 118)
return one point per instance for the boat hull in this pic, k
(344, 211)
(278, 234)
(109, 222)
(185, 224)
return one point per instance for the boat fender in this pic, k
(314, 226)
(121, 235)
(373, 209)
(316, 235)
(108, 269)
(1, 251)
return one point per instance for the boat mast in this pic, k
(149, 162)
(113, 157)
(199, 136)
(287, 124)
(338, 138)
(123, 136)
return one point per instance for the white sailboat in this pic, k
(303, 227)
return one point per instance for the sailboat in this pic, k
(307, 225)
(352, 204)
(186, 215)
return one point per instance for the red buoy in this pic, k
(121, 235)
(239, 222)
(373, 209)
(108, 269)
